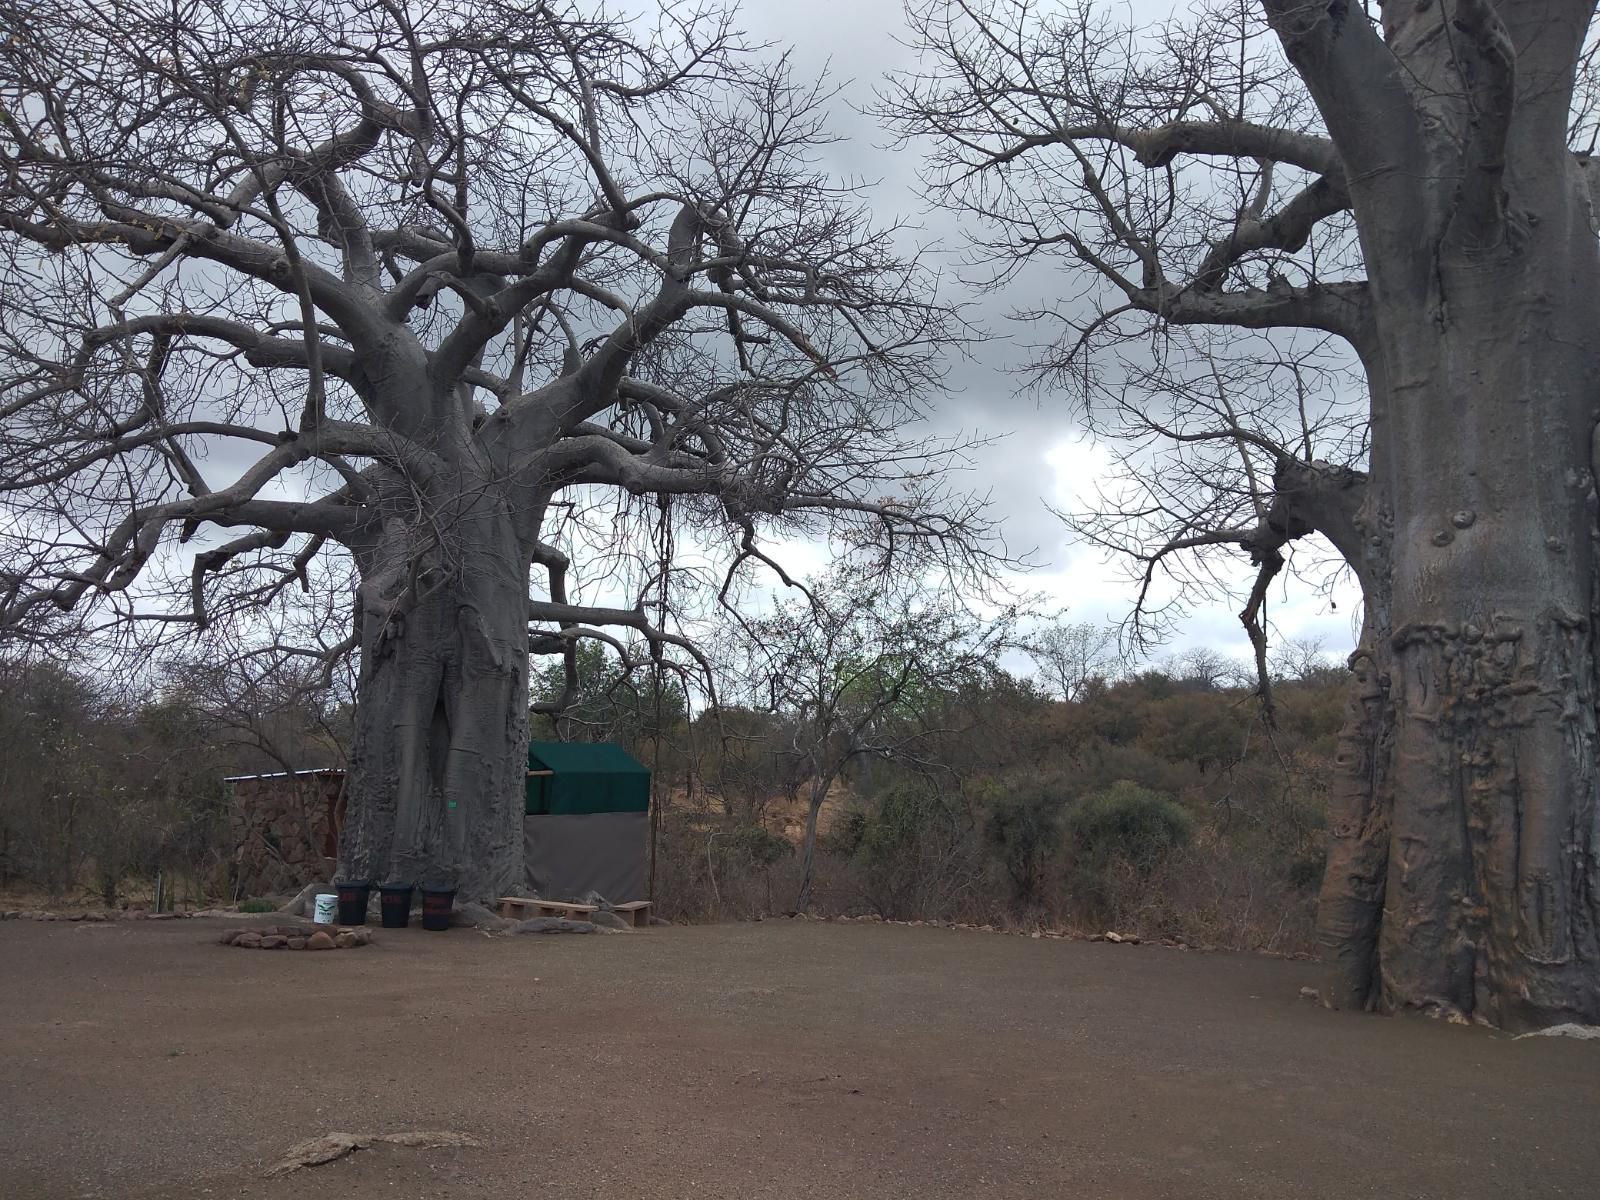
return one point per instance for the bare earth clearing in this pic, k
(772, 1060)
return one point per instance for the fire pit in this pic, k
(297, 937)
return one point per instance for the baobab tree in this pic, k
(395, 284)
(1411, 181)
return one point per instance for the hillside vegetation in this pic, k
(1160, 805)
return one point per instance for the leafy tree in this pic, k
(910, 846)
(862, 670)
(612, 701)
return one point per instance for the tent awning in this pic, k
(584, 777)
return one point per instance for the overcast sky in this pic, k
(1044, 460)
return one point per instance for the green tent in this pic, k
(567, 778)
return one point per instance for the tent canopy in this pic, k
(584, 777)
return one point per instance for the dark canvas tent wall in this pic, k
(587, 822)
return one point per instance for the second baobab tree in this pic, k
(1412, 180)
(395, 283)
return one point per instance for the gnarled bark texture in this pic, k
(437, 767)
(1464, 877)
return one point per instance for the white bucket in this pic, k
(327, 908)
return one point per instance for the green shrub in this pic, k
(1124, 824)
(911, 848)
(1023, 831)
(756, 846)
(258, 906)
(848, 832)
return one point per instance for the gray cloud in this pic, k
(1042, 459)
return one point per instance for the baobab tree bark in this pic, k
(1484, 347)
(1399, 179)
(439, 755)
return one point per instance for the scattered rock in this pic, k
(1310, 993)
(1567, 1030)
(296, 937)
(607, 919)
(552, 925)
(331, 1146)
(473, 915)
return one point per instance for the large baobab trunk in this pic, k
(441, 739)
(1470, 772)
(1360, 808)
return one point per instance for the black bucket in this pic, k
(353, 894)
(395, 899)
(436, 906)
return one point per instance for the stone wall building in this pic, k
(285, 829)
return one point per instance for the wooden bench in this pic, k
(635, 912)
(516, 908)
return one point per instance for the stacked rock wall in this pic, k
(285, 830)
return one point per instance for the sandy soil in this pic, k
(761, 1061)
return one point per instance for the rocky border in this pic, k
(298, 937)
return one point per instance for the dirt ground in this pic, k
(773, 1060)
